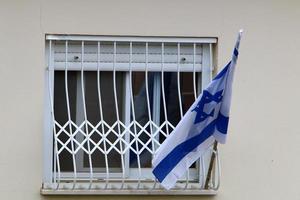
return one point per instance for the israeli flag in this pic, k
(205, 121)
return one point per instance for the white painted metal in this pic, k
(48, 127)
(178, 80)
(129, 191)
(131, 39)
(148, 100)
(202, 175)
(138, 57)
(179, 98)
(93, 57)
(147, 96)
(206, 66)
(69, 115)
(127, 121)
(194, 71)
(119, 134)
(163, 86)
(103, 135)
(154, 67)
(50, 155)
(85, 115)
(218, 172)
(133, 115)
(156, 116)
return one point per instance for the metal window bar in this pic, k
(56, 163)
(117, 112)
(101, 115)
(163, 86)
(164, 55)
(69, 115)
(133, 114)
(85, 117)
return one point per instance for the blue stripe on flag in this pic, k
(222, 123)
(180, 151)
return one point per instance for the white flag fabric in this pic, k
(205, 121)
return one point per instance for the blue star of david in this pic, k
(206, 98)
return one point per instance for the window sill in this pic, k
(188, 192)
(83, 189)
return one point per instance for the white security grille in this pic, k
(111, 101)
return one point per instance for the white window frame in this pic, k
(50, 185)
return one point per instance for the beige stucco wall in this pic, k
(261, 159)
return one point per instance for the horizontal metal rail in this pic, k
(203, 40)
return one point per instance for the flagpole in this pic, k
(215, 146)
(211, 165)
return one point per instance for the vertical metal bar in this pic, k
(101, 115)
(201, 169)
(51, 94)
(147, 92)
(50, 85)
(214, 181)
(180, 101)
(163, 96)
(178, 80)
(199, 78)
(127, 120)
(133, 115)
(147, 96)
(117, 112)
(56, 160)
(210, 61)
(194, 70)
(85, 115)
(48, 151)
(69, 115)
(218, 171)
(48, 123)
(163, 86)
(206, 65)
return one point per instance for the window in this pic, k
(111, 102)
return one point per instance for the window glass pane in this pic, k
(187, 90)
(109, 115)
(61, 112)
(141, 117)
(172, 104)
(93, 116)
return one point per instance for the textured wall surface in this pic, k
(261, 158)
